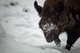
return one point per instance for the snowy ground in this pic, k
(19, 31)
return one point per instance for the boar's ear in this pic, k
(59, 7)
(37, 7)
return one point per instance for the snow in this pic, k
(20, 33)
(2, 32)
(48, 27)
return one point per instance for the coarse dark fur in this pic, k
(65, 14)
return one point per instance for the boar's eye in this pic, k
(44, 22)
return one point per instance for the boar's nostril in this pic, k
(50, 40)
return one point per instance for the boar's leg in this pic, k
(37, 7)
(72, 38)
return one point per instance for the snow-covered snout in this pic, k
(50, 31)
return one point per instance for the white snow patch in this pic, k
(48, 27)
(2, 32)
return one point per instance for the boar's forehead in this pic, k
(49, 8)
(47, 12)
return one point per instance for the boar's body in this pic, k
(65, 15)
(73, 33)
